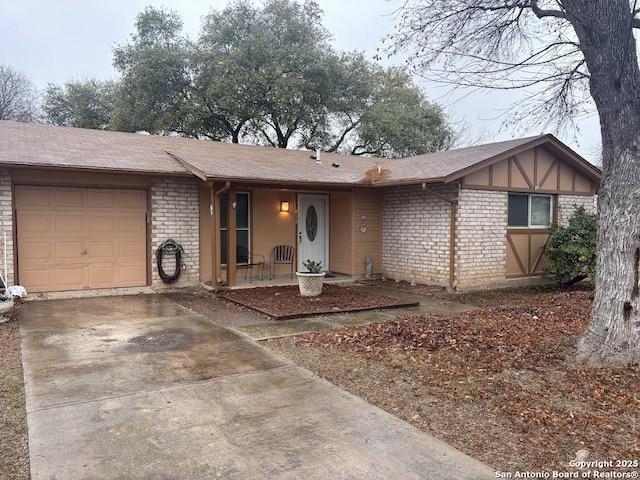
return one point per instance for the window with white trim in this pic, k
(242, 223)
(529, 211)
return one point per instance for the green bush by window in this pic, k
(572, 249)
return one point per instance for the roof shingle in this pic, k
(24, 144)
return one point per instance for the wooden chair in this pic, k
(247, 260)
(281, 254)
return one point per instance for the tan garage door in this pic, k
(78, 238)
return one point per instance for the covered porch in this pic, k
(245, 227)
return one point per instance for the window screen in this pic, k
(518, 210)
(533, 211)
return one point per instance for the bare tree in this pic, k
(574, 52)
(17, 96)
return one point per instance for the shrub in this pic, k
(572, 249)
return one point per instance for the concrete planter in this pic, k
(310, 284)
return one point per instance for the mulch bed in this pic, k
(285, 302)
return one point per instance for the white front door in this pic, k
(313, 230)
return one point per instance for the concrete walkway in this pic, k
(140, 388)
(283, 328)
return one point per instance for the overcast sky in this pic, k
(53, 41)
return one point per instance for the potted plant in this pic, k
(310, 282)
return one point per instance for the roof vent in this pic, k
(316, 157)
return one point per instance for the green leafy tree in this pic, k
(572, 249)
(400, 121)
(262, 72)
(377, 112)
(156, 81)
(83, 104)
(268, 75)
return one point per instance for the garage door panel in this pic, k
(39, 252)
(131, 224)
(128, 250)
(132, 275)
(31, 224)
(101, 276)
(29, 197)
(56, 224)
(69, 250)
(102, 199)
(100, 224)
(71, 225)
(132, 199)
(37, 279)
(70, 278)
(68, 198)
(101, 250)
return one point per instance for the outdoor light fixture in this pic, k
(284, 206)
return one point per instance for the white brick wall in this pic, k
(481, 249)
(568, 203)
(174, 214)
(6, 221)
(415, 233)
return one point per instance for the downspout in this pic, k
(452, 233)
(216, 269)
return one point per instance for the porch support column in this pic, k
(214, 231)
(216, 261)
(232, 238)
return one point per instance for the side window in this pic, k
(529, 211)
(242, 223)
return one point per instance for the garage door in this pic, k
(79, 238)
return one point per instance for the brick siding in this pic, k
(568, 203)
(416, 233)
(175, 214)
(481, 249)
(6, 221)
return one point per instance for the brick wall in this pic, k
(175, 214)
(481, 250)
(415, 233)
(6, 222)
(568, 203)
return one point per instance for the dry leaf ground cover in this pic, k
(14, 453)
(499, 383)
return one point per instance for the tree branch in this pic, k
(540, 13)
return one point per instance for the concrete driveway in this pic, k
(140, 388)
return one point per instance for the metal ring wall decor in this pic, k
(311, 222)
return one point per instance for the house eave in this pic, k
(76, 168)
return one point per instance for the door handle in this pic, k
(84, 251)
(300, 237)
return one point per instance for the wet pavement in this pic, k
(139, 387)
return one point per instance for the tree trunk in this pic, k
(604, 29)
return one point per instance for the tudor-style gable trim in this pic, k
(537, 169)
(547, 143)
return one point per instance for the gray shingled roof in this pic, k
(24, 144)
(38, 145)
